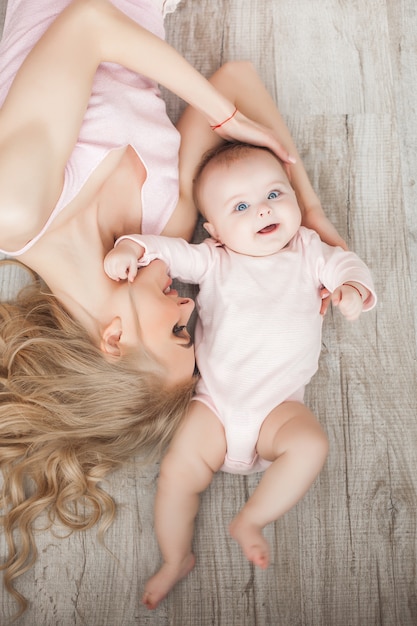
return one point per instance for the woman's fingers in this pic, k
(241, 128)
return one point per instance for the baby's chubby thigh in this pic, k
(291, 426)
(197, 450)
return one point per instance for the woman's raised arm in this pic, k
(241, 85)
(56, 78)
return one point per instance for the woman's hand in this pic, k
(238, 127)
(325, 300)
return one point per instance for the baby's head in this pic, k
(244, 193)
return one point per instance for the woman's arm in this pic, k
(241, 85)
(128, 44)
(56, 79)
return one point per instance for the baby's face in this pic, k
(250, 205)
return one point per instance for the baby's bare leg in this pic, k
(294, 441)
(196, 452)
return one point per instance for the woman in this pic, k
(95, 371)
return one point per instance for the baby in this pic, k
(257, 339)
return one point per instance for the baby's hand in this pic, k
(350, 297)
(122, 262)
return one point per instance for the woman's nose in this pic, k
(184, 301)
(187, 306)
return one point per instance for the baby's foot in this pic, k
(251, 540)
(159, 586)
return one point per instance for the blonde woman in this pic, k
(94, 371)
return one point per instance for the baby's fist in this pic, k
(349, 299)
(122, 262)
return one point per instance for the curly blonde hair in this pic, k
(68, 417)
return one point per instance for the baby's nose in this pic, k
(264, 211)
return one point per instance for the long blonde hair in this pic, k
(68, 417)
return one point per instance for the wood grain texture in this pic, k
(344, 75)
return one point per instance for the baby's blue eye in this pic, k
(242, 206)
(273, 194)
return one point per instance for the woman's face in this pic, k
(152, 316)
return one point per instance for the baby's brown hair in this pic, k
(226, 154)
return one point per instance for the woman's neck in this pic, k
(70, 261)
(70, 255)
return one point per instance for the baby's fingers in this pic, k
(132, 271)
(336, 296)
(111, 269)
(350, 305)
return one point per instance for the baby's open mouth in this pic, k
(268, 229)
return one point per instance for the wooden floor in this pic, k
(344, 75)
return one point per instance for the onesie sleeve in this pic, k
(334, 266)
(188, 262)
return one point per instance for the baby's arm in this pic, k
(122, 261)
(350, 297)
(187, 262)
(343, 274)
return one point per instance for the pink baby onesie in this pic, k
(258, 335)
(124, 108)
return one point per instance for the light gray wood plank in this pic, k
(403, 29)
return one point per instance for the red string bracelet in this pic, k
(353, 287)
(224, 121)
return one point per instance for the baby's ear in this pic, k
(211, 230)
(110, 337)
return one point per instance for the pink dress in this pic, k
(124, 108)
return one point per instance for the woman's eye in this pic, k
(182, 333)
(242, 206)
(273, 194)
